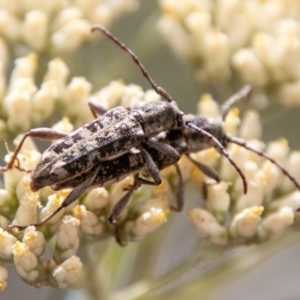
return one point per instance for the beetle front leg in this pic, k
(73, 196)
(40, 133)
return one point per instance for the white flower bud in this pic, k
(65, 16)
(254, 196)
(251, 126)
(274, 224)
(232, 122)
(35, 240)
(67, 272)
(148, 216)
(25, 67)
(96, 200)
(70, 36)
(9, 25)
(102, 14)
(151, 96)
(67, 241)
(109, 96)
(6, 242)
(216, 51)
(43, 101)
(27, 210)
(54, 201)
(76, 95)
(26, 263)
(57, 72)
(63, 126)
(291, 200)
(35, 29)
(23, 186)
(278, 150)
(218, 200)
(208, 107)
(208, 227)
(245, 223)
(250, 67)
(3, 278)
(89, 222)
(293, 166)
(132, 96)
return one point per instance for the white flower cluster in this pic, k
(258, 41)
(48, 25)
(25, 105)
(229, 216)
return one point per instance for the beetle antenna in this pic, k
(222, 150)
(243, 94)
(243, 144)
(159, 90)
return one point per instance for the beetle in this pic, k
(134, 163)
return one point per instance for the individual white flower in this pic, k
(146, 217)
(27, 210)
(96, 200)
(275, 223)
(54, 201)
(66, 273)
(250, 127)
(208, 227)
(63, 126)
(245, 223)
(26, 263)
(208, 107)
(6, 242)
(89, 222)
(109, 96)
(67, 241)
(35, 29)
(57, 72)
(35, 240)
(218, 200)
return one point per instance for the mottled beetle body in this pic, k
(105, 138)
(132, 162)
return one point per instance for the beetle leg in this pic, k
(208, 171)
(152, 168)
(40, 133)
(179, 191)
(73, 196)
(163, 148)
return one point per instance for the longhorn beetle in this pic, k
(111, 135)
(134, 163)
